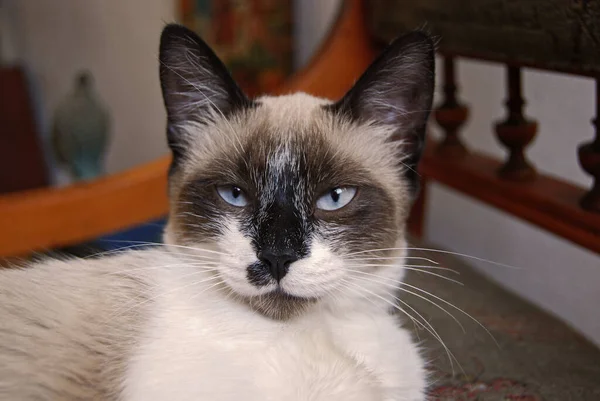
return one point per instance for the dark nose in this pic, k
(278, 263)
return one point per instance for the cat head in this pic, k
(291, 198)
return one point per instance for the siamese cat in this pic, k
(285, 240)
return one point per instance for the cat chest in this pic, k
(199, 359)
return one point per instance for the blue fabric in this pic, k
(135, 236)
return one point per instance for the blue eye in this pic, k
(336, 198)
(233, 195)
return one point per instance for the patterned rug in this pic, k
(534, 357)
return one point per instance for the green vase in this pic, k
(80, 132)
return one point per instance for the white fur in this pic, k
(201, 344)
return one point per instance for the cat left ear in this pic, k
(194, 81)
(397, 90)
(196, 85)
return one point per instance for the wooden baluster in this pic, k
(589, 159)
(516, 132)
(451, 115)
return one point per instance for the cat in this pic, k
(285, 238)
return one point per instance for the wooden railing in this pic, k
(514, 185)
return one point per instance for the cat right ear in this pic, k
(196, 85)
(397, 91)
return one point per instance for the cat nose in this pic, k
(277, 262)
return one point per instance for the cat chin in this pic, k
(273, 301)
(280, 305)
(273, 291)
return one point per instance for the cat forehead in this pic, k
(284, 130)
(278, 127)
(295, 110)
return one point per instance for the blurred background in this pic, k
(101, 56)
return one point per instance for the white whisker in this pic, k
(455, 307)
(207, 266)
(398, 287)
(179, 246)
(121, 311)
(417, 270)
(431, 330)
(414, 321)
(396, 257)
(437, 251)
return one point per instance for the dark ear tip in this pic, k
(423, 39)
(175, 32)
(173, 29)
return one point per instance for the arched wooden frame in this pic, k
(53, 217)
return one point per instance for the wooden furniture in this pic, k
(21, 160)
(48, 218)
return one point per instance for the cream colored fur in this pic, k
(158, 325)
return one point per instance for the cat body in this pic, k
(284, 246)
(108, 329)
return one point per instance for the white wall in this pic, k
(118, 41)
(312, 20)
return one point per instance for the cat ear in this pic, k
(195, 83)
(397, 90)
